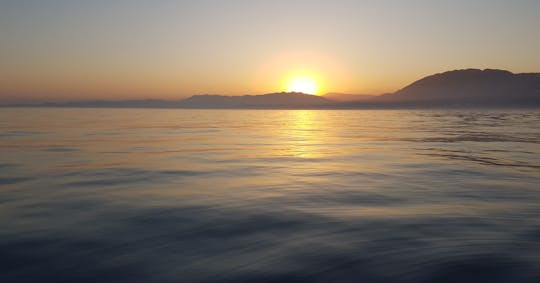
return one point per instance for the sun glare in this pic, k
(303, 84)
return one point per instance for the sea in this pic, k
(177, 195)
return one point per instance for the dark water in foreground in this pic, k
(105, 195)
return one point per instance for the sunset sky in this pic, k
(73, 50)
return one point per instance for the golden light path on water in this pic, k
(303, 134)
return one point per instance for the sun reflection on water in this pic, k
(303, 134)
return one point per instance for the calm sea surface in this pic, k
(138, 195)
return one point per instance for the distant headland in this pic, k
(458, 88)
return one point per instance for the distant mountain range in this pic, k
(348, 97)
(272, 100)
(459, 88)
(471, 87)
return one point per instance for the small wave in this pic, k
(482, 160)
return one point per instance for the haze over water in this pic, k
(135, 195)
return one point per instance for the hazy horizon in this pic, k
(68, 51)
(468, 88)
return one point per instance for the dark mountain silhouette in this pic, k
(471, 87)
(459, 88)
(271, 100)
(348, 97)
(134, 103)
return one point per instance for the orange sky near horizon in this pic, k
(71, 50)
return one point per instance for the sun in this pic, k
(305, 85)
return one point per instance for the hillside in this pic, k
(472, 87)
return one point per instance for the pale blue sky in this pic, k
(166, 49)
